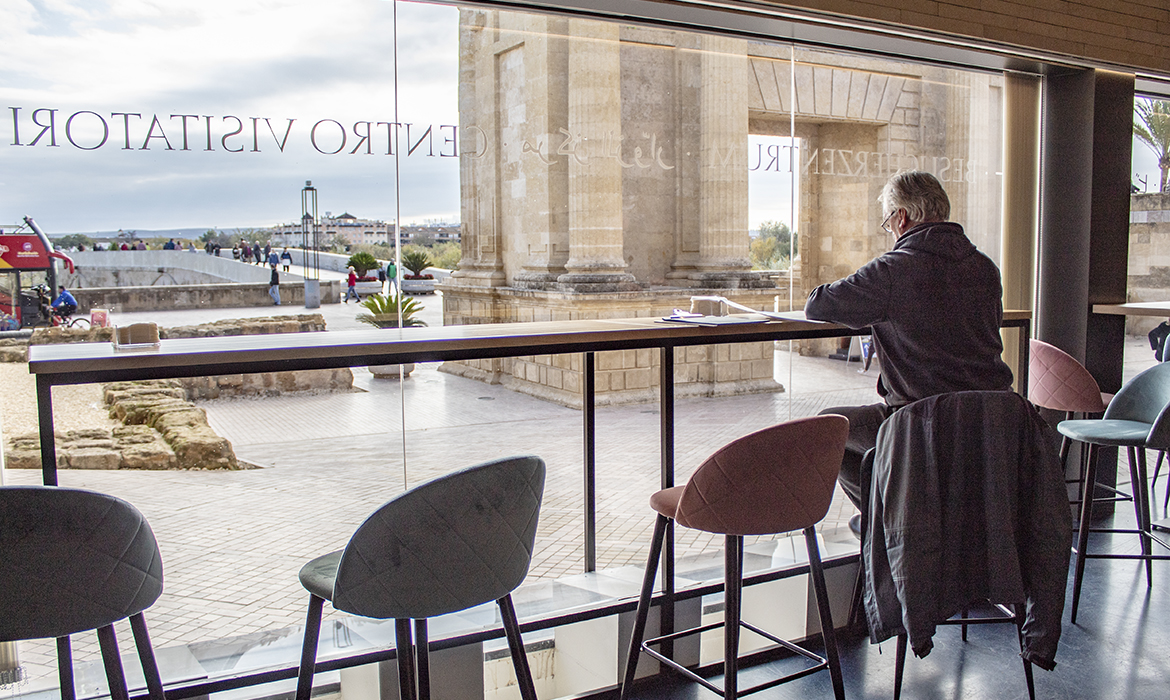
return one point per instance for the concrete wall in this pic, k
(338, 263)
(198, 296)
(146, 268)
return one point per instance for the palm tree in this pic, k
(1154, 131)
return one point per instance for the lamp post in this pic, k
(310, 257)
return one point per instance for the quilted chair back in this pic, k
(73, 560)
(776, 480)
(1144, 397)
(450, 544)
(1057, 381)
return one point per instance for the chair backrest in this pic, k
(775, 480)
(452, 543)
(72, 560)
(1057, 381)
(968, 503)
(1144, 397)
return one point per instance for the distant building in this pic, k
(353, 230)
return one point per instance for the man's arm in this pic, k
(857, 301)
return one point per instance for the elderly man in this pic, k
(934, 303)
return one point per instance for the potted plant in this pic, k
(362, 263)
(382, 311)
(418, 281)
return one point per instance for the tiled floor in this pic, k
(232, 542)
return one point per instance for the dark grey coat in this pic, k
(968, 503)
(935, 305)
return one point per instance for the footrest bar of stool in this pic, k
(819, 662)
(1151, 557)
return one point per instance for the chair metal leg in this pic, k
(516, 646)
(1087, 490)
(963, 615)
(1165, 501)
(154, 684)
(115, 675)
(404, 651)
(1019, 617)
(422, 655)
(65, 668)
(821, 591)
(1157, 468)
(732, 598)
(1144, 520)
(899, 666)
(643, 612)
(309, 647)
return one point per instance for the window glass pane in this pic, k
(549, 168)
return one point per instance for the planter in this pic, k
(391, 371)
(365, 289)
(418, 286)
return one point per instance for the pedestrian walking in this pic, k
(274, 286)
(392, 276)
(351, 280)
(286, 259)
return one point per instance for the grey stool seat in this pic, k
(76, 560)
(452, 543)
(1136, 419)
(1113, 433)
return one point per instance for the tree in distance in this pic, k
(772, 250)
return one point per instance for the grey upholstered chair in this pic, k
(458, 541)
(1137, 419)
(73, 561)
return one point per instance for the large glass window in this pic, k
(550, 168)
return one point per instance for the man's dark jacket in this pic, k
(968, 503)
(935, 305)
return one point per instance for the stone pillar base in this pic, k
(598, 282)
(729, 280)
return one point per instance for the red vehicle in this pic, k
(27, 259)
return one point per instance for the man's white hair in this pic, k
(919, 193)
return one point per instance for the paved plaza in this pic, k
(232, 542)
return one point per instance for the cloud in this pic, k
(275, 59)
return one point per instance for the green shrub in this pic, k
(383, 311)
(363, 262)
(415, 260)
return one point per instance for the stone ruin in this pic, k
(161, 427)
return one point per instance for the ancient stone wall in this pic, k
(198, 296)
(1149, 256)
(162, 428)
(605, 168)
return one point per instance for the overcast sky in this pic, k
(251, 65)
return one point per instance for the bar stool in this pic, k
(1136, 419)
(1058, 382)
(76, 560)
(967, 506)
(452, 543)
(777, 480)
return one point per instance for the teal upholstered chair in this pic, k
(1136, 419)
(76, 560)
(458, 541)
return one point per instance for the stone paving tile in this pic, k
(232, 542)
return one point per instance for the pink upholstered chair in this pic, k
(776, 480)
(1057, 381)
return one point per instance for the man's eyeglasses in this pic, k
(886, 222)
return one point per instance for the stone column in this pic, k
(596, 257)
(723, 176)
(545, 234)
(481, 263)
